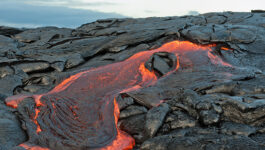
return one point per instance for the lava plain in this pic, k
(82, 113)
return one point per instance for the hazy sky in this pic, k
(72, 13)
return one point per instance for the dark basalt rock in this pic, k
(59, 66)
(123, 102)
(162, 62)
(9, 83)
(179, 119)
(202, 106)
(7, 45)
(73, 61)
(43, 35)
(9, 31)
(199, 139)
(155, 118)
(238, 129)
(31, 67)
(5, 70)
(11, 133)
(148, 97)
(209, 117)
(132, 110)
(134, 125)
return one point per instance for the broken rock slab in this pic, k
(32, 66)
(237, 128)
(9, 83)
(200, 139)
(178, 119)
(11, 133)
(123, 102)
(5, 70)
(155, 118)
(132, 110)
(74, 60)
(9, 31)
(42, 35)
(162, 62)
(7, 44)
(134, 125)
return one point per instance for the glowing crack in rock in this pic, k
(81, 112)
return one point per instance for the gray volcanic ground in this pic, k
(212, 99)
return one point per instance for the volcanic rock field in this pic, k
(160, 83)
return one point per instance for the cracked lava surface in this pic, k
(81, 112)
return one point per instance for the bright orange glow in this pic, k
(94, 91)
(38, 104)
(147, 76)
(31, 147)
(123, 141)
(37, 99)
(216, 60)
(35, 120)
(225, 48)
(13, 101)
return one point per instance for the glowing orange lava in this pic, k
(32, 147)
(122, 141)
(225, 48)
(13, 101)
(89, 96)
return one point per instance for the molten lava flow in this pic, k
(32, 147)
(146, 74)
(225, 48)
(13, 101)
(216, 60)
(82, 112)
(123, 140)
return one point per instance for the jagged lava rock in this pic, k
(211, 106)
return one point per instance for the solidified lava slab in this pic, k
(82, 113)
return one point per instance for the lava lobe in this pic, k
(82, 113)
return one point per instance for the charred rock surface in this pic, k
(11, 131)
(216, 104)
(162, 63)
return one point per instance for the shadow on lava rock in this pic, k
(81, 112)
